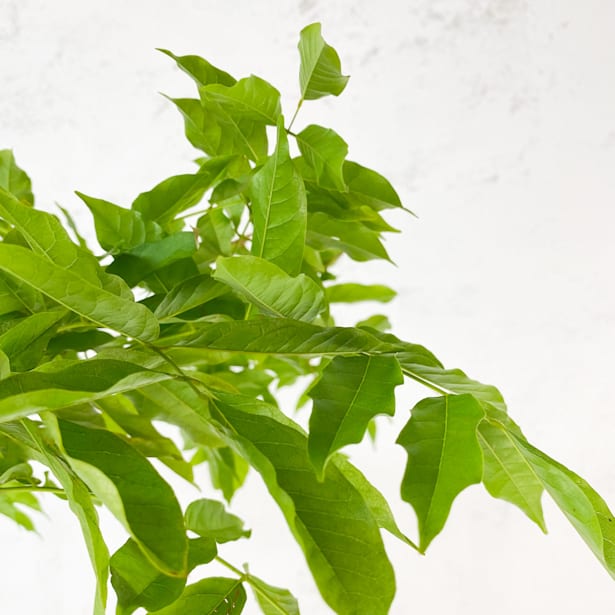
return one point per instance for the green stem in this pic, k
(230, 566)
(425, 382)
(31, 488)
(292, 121)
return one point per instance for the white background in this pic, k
(495, 120)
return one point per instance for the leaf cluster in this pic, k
(233, 266)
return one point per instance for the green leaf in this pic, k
(251, 98)
(180, 192)
(350, 392)
(216, 233)
(444, 457)
(79, 499)
(352, 293)
(213, 596)
(271, 288)
(200, 70)
(227, 470)
(30, 392)
(133, 491)
(5, 366)
(119, 229)
(279, 209)
(78, 294)
(330, 520)
(584, 508)
(325, 151)
(189, 294)
(287, 337)
(350, 236)
(367, 187)
(209, 519)
(320, 72)
(25, 342)
(13, 179)
(273, 600)
(507, 474)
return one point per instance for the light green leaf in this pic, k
(25, 342)
(352, 293)
(13, 179)
(330, 520)
(325, 151)
(271, 288)
(5, 366)
(444, 457)
(350, 392)
(350, 236)
(273, 600)
(79, 499)
(119, 229)
(279, 209)
(133, 491)
(320, 72)
(251, 98)
(367, 187)
(180, 192)
(584, 508)
(213, 596)
(209, 519)
(200, 70)
(216, 233)
(287, 337)
(189, 294)
(227, 470)
(31, 392)
(78, 294)
(507, 474)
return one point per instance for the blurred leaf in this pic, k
(273, 600)
(209, 519)
(271, 288)
(13, 179)
(279, 210)
(444, 457)
(200, 70)
(352, 293)
(320, 72)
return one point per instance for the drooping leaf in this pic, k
(444, 457)
(13, 179)
(200, 70)
(227, 470)
(351, 293)
(325, 151)
(189, 294)
(213, 596)
(350, 392)
(251, 98)
(215, 233)
(287, 337)
(119, 229)
(320, 72)
(273, 600)
(507, 474)
(209, 519)
(133, 491)
(367, 187)
(330, 519)
(78, 294)
(31, 392)
(270, 288)
(279, 209)
(584, 508)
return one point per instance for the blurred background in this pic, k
(495, 121)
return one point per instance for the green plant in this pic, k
(235, 298)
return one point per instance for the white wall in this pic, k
(495, 119)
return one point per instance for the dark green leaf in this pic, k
(325, 151)
(350, 392)
(279, 210)
(271, 288)
(444, 457)
(330, 519)
(133, 491)
(320, 72)
(13, 179)
(209, 519)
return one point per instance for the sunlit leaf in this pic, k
(13, 179)
(209, 519)
(352, 293)
(444, 457)
(325, 151)
(320, 72)
(273, 600)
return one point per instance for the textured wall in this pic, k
(495, 119)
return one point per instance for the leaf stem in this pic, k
(230, 566)
(292, 121)
(32, 488)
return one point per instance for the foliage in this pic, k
(234, 269)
